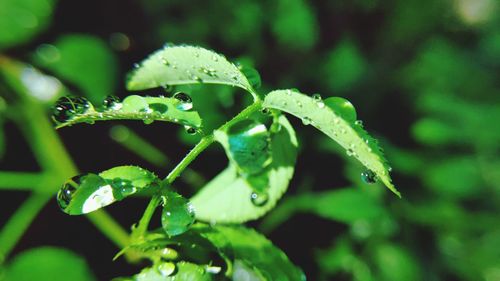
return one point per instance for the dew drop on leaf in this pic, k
(369, 176)
(186, 103)
(318, 100)
(342, 107)
(68, 107)
(259, 199)
(190, 130)
(111, 102)
(66, 192)
(166, 269)
(178, 214)
(158, 107)
(359, 123)
(306, 121)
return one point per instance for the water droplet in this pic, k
(369, 176)
(265, 111)
(136, 65)
(186, 103)
(111, 102)
(306, 121)
(341, 107)
(158, 107)
(259, 199)
(299, 104)
(318, 100)
(359, 123)
(164, 61)
(350, 152)
(96, 193)
(288, 92)
(65, 194)
(208, 71)
(215, 58)
(68, 107)
(148, 121)
(190, 130)
(178, 214)
(166, 269)
(213, 269)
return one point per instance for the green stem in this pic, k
(142, 227)
(21, 180)
(107, 225)
(205, 142)
(55, 161)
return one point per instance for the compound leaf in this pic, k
(177, 65)
(230, 198)
(337, 119)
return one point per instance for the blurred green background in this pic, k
(423, 75)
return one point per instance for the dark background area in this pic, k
(386, 57)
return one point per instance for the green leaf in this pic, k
(331, 117)
(21, 20)
(228, 197)
(48, 264)
(253, 251)
(89, 192)
(294, 24)
(345, 65)
(346, 205)
(177, 215)
(83, 60)
(148, 109)
(247, 144)
(185, 271)
(133, 175)
(177, 65)
(396, 263)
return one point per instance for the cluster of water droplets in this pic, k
(66, 108)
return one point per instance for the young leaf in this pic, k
(89, 192)
(71, 110)
(230, 198)
(259, 255)
(177, 65)
(177, 215)
(337, 119)
(48, 264)
(248, 147)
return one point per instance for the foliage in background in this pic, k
(421, 73)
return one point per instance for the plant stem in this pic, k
(205, 142)
(14, 180)
(142, 227)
